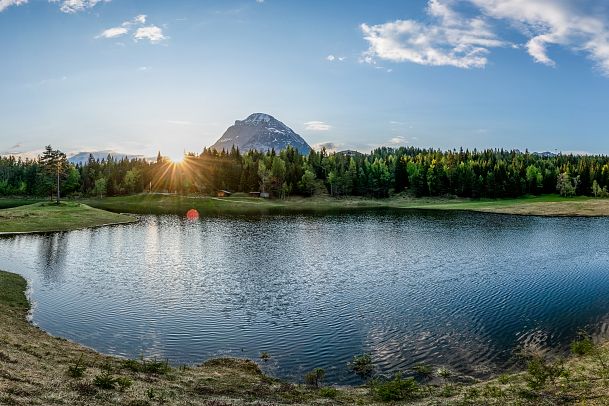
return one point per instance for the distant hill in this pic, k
(350, 152)
(545, 154)
(261, 132)
(83, 157)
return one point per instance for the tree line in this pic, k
(384, 172)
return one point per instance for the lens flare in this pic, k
(192, 214)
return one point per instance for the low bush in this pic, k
(104, 380)
(328, 392)
(395, 389)
(147, 366)
(423, 372)
(540, 372)
(77, 370)
(362, 365)
(315, 377)
(583, 346)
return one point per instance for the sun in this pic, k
(176, 159)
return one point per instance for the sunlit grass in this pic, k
(43, 217)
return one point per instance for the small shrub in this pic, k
(504, 379)
(131, 365)
(395, 389)
(493, 391)
(448, 391)
(540, 372)
(104, 381)
(85, 388)
(444, 373)
(8, 401)
(156, 395)
(151, 393)
(362, 365)
(328, 392)
(583, 346)
(423, 372)
(147, 366)
(123, 382)
(77, 370)
(315, 377)
(156, 367)
(472, 393)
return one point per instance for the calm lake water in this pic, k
(461, 290)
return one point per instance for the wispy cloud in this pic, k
(450, 38)
(4, 4)
(317, 126)
(113, 32)
(66, 6)
(140, 19)
(399, 140)
(75, 6)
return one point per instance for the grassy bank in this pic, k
(547, 205)
(37, 369)
(43, 217)
(7, 202)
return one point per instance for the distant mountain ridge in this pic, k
(83, 157)
(262, 132)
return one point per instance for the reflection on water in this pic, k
(455, 289)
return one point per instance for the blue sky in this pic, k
(137, 76)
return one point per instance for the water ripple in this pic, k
(466, 291)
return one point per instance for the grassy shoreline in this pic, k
(38, 369)
(546, 205)
(48, 217)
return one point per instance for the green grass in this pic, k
(8, 202)
(46, 217)
(547, 205)
(12, 288)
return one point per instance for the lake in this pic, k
(461, 290)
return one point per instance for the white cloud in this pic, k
(113, 32)
(317, 126)
(4, 4)
(259, 1)
(333, 58)
(74, 6)
(152, 33)
(449, 38)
